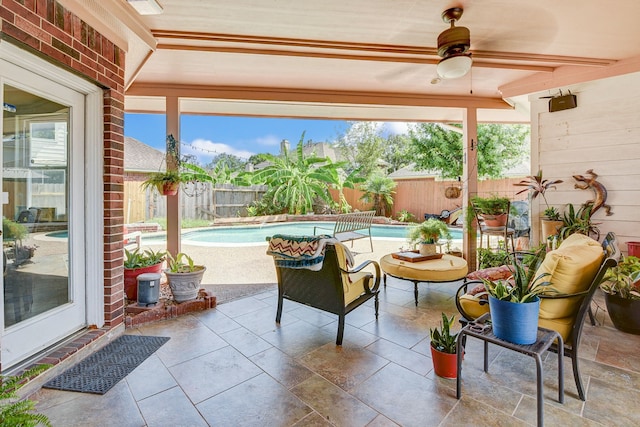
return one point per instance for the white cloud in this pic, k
(396, 128)
(269, 140)
(206, 150)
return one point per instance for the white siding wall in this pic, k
(603, 134)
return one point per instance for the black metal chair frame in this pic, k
(506, 232)
(324, 289)
(572, 344)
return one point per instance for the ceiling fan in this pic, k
(453, 47)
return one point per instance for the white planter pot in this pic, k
(185, 286)
(427, 249)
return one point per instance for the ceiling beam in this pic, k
(312, 95)
(565, 76)
(212, 42)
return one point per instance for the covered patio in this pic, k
(234, 366)
(358, 60)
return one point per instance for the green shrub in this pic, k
(15, 412)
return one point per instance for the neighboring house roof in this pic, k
(139, 157)
(322, 149)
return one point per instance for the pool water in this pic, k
(259, 234)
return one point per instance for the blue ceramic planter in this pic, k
(515, 322)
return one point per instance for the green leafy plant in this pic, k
(578, 221)
(552, 214)
(623, 279)
(491, 258)
(379, 190)
(537, 186)
(441, 338)
(182, 263)
(492, 205)
(13, 230)
(405, 216)
(160, 179)
(136, 259)
(15, 412)
(429, 231)
(523, 287)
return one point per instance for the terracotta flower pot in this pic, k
(495, 220)
(550, 228)
(445, 365)
(169, 188)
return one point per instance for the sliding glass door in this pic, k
(42, 213)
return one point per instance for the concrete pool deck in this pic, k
(251, 264)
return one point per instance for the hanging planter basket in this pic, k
(452, 192)
(168, 188)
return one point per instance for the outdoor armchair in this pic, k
(333, 286)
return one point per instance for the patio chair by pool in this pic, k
(315, 271)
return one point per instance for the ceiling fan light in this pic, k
(146, 7)
(453, 67)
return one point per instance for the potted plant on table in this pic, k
(427, 235)
(537, 186)
(493, 209)
(137, 263)
(515, 303)
(184, 277)
(621, 287)
(444, 348)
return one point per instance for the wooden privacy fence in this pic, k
(201, 201)
(426, 195)
(197, 201)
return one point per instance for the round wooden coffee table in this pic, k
(449, 268)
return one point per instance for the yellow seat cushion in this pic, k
(571, 267)
(354, 288)
(352, 284)
(446, 269)
(562, 325)
(472, 307)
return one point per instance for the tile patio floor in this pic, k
(232, 366)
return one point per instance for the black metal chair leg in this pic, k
(340, 329)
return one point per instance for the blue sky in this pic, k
(242, 136)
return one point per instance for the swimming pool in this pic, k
(257, 234)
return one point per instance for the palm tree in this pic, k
(295, 182)
(378, 189)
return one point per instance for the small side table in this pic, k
(481, 329)
(449, 268)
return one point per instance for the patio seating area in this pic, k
(233, 365)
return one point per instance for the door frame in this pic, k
(93, 193)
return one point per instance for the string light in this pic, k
(213, 153)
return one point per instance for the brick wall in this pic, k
(44, 26)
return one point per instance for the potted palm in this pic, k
(515, 303)
(621, 287)
(444, 348)
(184, 277)
(137, 263)
(427, 235)
(537, 186)
(493, 209)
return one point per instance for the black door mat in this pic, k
(103, 369)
